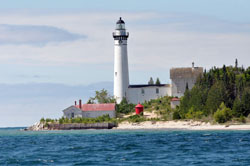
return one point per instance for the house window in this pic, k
(142, 91)
(157, 90)
(72, 115)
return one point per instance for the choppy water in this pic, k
(124, 147)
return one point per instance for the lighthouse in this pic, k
(121, 75)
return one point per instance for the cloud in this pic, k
(193, 23)
(157, 42)
(31, 76)
(35, 34)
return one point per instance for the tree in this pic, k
(91, 101)
(151, 81)
(158, 82)
(236, 63)
(101, 97)
(124, 107)
(246, 101)
(238, 108)
(185, 104)
(216, 96)
(187, 86)
(223, 114)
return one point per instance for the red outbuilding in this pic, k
(138, 109)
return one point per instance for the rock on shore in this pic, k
(36, 127)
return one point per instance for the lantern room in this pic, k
(120, 24)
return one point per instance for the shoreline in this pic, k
(152, 125)
(180, 125)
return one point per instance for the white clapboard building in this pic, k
(90, 110)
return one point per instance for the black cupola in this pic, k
(120, 21)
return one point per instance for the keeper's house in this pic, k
(90, 110)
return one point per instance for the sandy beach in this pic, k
(185, 125)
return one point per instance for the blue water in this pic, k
(124, 147)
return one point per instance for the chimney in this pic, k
(80, 104)
(75, 103)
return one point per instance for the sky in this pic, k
(55, 52)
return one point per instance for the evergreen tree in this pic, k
(236, 63)
(184, 104)
(246, 102)
(158, 82)
(216, 96)
(187, 86)
(151, 81)
(238, 108)
(229, 84)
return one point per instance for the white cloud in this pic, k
(34, 34)
(157, 42)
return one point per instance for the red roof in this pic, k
(98, 107)
(175, 99)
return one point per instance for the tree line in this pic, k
(223, 93)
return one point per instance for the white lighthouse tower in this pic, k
(121, 76)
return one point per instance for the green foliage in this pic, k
(246, 102)
(100, 119)
(101, 97)
(191, 114)
(91, 101)
(216, 95)
(42, 120)
(229, 84)
(158, 82)
(47, 120)
(124, 107)
(223, 114)
(238, 108)
(242, 107)
(242, 119)
(176, 115)
(61, 120)
(151, 81)
(136, 119)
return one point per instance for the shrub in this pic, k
(48, 120)
(124, 107)
(61, 120)
(194, 114)
(136, 119)
(100, 119)
(223, 114)
(176, 115)
(42, 120)
(242, 119)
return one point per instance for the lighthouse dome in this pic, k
(120, 21)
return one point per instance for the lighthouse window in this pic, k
(142, 91)
(115, 73)
(157, 90)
